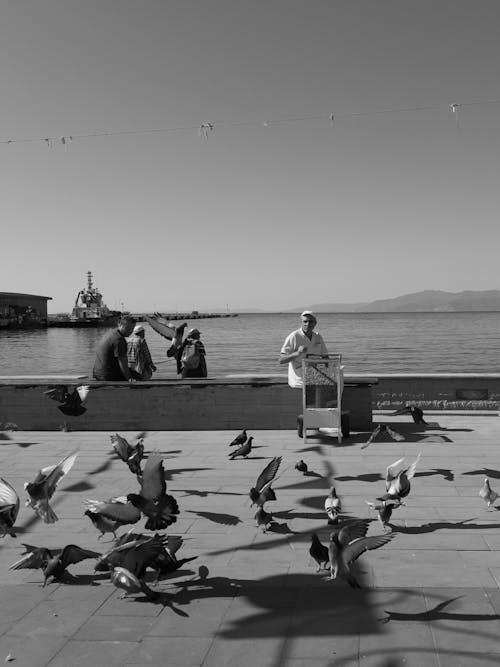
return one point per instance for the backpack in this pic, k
(190, 358)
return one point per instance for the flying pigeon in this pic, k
(263, 518)
(383, 429)
(113, 512)
(153, 501)
(413, 410)
(127, 581)
(348, 544)
(301, 466)
(9, 508)
(244, 450)
(53, 563)
(131, 455)
(42, 488)
(262, 491)
(487, 493)
(319, 553)
(240, 439)
(385, 509)
(397, 479)
(129, 575)
(332, 506)
(71, 403)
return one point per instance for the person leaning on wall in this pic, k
(111, 361)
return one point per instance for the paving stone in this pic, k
(124, 628)
(95, 653)
(30, 651)
(174, 651)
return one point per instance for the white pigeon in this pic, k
(487, 493)
(332, 506)
(397, 479)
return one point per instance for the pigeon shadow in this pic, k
(311, 473)
(446, 473)
(317, 482)
(317, 449)
(279, 528)
(484, 472)
(172, 472)
(104, 466)
(205, 494)
(437, 613)
(365, 477)
(442, 525)
(218, 517)
(292, 514)
(78, 486)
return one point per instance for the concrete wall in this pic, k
(255, 402)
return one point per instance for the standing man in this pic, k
(139, 357)
(111, 362)
(299, 343)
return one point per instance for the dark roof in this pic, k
(29, 296)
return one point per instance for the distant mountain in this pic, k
(436, 300)
(426, 301)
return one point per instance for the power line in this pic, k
(206, 128)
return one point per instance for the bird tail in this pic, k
(45, 512)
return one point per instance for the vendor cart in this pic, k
(323, 381)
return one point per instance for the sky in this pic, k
(279, 205)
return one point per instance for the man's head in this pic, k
(194, 333)
(139, 330)
(127, 324)
(308, 321)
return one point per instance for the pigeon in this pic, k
(244, 450)
(131, 455)
(397, 479)
(347, 544)
(9, 508)
(332, 506)
(385, 509)
(319, 553)
(167, 561)
(153, 501)
(263, 518)
(301, 466)
(262, 491)
(53, 563)
(127, 581)
(240, 439)
(413, 410)
(383, 429)
(114, 512)
(42, 488)
(71, 403)
(487, 493)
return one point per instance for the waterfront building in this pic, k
(23, 311)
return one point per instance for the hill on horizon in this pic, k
(425, 301)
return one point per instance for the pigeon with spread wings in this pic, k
(53, 563)
(9, 508)
(153, 501)
(132, 455)
(347, 544)
(42, 488)
(397, 479)
(262, 491)
(71, 403)
(108, 515)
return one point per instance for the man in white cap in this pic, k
(298, 344)
(139, 357)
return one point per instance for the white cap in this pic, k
(309, 313)
(138, 328)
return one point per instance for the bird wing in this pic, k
(83, 392)
(394, 434)
(121, 446)
(32, 560)
(137, 559)
(59, 471)
(58, 393)
(174, 543)
(394, 469)
(161, 327)
(353, 531)
(268, 474)
(74, 554)
(8, 497)
(354, 549)
(153, 484)
(413, 468)
(122, 512)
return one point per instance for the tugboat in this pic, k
(89, 310)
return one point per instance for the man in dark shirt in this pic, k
(111, 362)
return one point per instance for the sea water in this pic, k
(250, 343)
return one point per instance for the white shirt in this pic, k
(292, 343)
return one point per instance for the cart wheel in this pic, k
(345, 425)
(300, 426)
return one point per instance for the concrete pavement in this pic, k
(430, 597)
